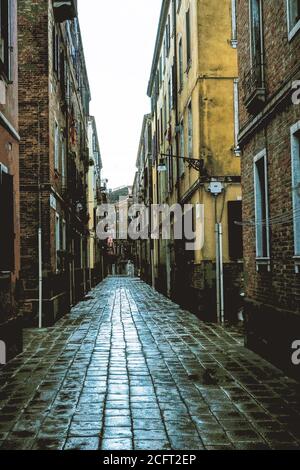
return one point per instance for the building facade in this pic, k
(269, 63)
(54, 101)
(143, 194)
(193, 88)
(10, 287)
(95, 197)
(119, 250)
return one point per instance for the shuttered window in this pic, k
(180, 65)
(188, 39)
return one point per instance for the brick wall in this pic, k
(281, 56)
(281, 286)
(34, 125)
(272, 304)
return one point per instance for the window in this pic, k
(170, 169)
(293, 16)
(173, 86)
(7, 220)
(234, 24)
(188, 39)
(178, 5)
(156, 86)
(64, 235)
(168, 35)
(149, 139)
(62, 76)
(170, 97)
(190, 131)
(256, 36)
(56, 146)
(165, 114)
(94, 143)
(6, 39)
(160, 70)
(180, 65)
(261, 206)
(57, 240)
(182, 149)
(56, 51)
(63, 158)
(295, 151)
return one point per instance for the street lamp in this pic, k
(196, 163)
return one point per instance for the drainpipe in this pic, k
(40, 254)
(40, 279)
(220, 237)
(217, 262)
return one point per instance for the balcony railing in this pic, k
(64, 10)
(254, 88)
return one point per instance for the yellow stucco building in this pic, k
(194, 93)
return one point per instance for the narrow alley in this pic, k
(129, 369)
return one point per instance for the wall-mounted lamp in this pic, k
(162, 167)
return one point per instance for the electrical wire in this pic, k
(290, 215)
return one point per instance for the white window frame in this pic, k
(262, 259)
(295, 149)
(234, 41)
(292, 31)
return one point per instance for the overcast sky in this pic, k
(119, 38)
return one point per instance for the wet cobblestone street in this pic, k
(129, 369)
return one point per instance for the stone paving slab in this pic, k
(129, 369)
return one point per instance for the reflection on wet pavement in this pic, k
(129, 369)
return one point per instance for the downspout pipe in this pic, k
(40, 253)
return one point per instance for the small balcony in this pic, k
(64, 10)
(254, 88)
